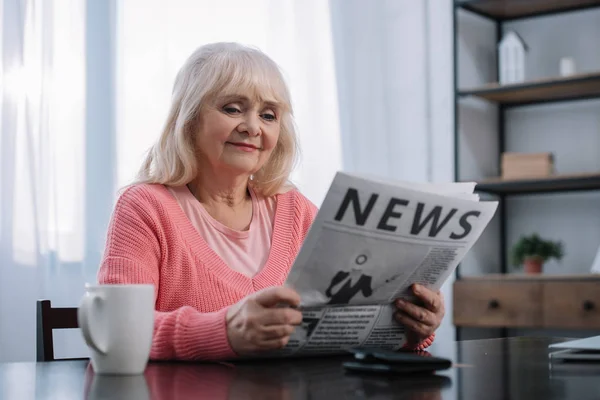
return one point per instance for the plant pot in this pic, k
(533, 266)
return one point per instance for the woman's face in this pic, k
(237, 133)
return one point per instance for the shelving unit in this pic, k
(504, 10)
(505, 97)
(541, 91)
(552, 184)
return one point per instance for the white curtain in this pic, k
(381, 49)
(59, 94)
(42, 88)
(156, 36)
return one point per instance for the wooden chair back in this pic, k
(48, 319)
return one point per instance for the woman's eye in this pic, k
(269, 116)
(231, 110)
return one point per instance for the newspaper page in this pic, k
(369, 242)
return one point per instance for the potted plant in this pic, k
(532, 251)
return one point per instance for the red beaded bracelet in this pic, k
(422, 345)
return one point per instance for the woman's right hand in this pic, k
(257, 323)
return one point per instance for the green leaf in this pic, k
(534, 246)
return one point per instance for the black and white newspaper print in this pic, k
(370, 241)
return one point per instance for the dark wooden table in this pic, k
(515, 368)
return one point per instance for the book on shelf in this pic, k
(527, 165)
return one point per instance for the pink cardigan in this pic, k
(150, 240)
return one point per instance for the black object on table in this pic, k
(511, 368)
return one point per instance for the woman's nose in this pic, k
(250, 125)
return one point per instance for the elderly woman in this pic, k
(213, 222)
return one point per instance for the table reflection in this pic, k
(117, 387)
(276, 380)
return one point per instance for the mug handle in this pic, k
(88, 307)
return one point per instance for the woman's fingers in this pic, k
(277, 331)
(273, 344)
(263, 320)
(433, 301)
(413, 325)
(418, 314)
(277, 295)
(419, 320)
(280, 316)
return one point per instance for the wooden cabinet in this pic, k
(497, 303)
(507, 301)
(571, 304)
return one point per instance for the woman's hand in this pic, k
(421, 321)
(256, 323)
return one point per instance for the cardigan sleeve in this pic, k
(133, 256)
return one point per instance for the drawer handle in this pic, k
(493, 304)
(588, 305)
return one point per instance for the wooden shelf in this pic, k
(512, 9)
(555, 183)
(532, 277)
(576, 87)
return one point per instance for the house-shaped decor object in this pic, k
(511, 58)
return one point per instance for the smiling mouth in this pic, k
(244, 145)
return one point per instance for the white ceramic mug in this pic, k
(117, 323)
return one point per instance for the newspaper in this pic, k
(370, 241)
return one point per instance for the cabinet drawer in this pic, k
(572, 305)
(497, 304)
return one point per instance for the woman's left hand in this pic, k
(421, 321)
